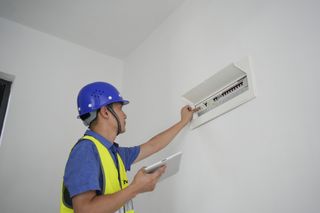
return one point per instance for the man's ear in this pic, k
(104, 112)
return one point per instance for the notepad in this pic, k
(172, 163)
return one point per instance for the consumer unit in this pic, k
(222, 92)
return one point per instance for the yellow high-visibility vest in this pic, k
(110, 178)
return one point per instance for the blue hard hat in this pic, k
(96, 95)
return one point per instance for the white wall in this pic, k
(41, 124)
(261, 157)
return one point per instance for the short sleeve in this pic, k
(82, 171)
(129, 155)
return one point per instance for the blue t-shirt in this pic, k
(83, 170)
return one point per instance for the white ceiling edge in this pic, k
(111, 27)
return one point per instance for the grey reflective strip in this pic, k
(120, 210)
(127, 207)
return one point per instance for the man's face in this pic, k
(117, 107)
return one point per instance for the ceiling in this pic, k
(112, 27)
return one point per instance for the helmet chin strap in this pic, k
(109, 107)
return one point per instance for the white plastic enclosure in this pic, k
(222, 92)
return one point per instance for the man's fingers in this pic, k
(196, 109)
(193, 110)
(160, 171)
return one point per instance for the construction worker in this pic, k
(95, 178)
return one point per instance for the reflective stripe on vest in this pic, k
(110, 177)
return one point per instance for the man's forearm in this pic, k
(159, 141)
(90, 202)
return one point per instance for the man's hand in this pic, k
(187, 114)
(144, 182)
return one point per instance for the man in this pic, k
(95, 177)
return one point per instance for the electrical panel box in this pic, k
(222, 92)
